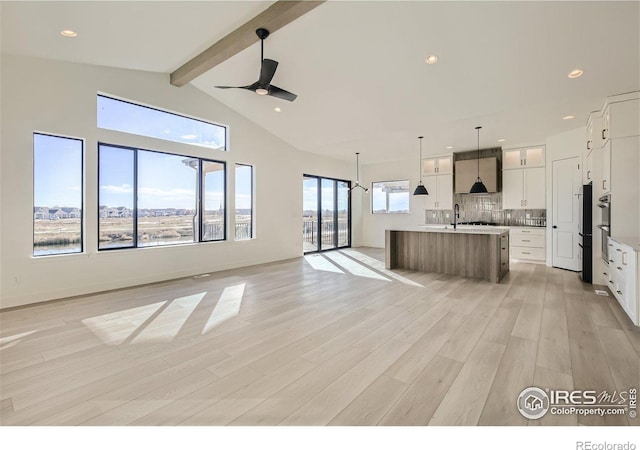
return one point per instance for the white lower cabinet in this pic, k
(623, 278)
(528, 244)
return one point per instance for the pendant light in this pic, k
(358, 185)
(420, 189)
(478, 187)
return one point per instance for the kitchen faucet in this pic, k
(456, 215)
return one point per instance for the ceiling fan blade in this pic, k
(251, 87)
(275, 91)
(267, 71)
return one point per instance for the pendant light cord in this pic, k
(478, 128)
(420, 162)
(357, 168)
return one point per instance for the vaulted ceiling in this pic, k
(359, 67)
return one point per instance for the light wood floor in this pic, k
(328, 339)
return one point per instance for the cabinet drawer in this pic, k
(523, 231)
(534, 254)
(525, 240)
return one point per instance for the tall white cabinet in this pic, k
(523, 178)
(437, 176)
(612, 154)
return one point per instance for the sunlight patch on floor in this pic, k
(353, 267)
(318, 262)
(164, 327)
(114, 328)
(9, 341)
(228, 306)
(379, 266)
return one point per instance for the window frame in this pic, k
(199, 202)
(253, 197)
(335, 202)
(387, 209)
(166, 111)
(82, 192)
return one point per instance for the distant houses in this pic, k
(56, 213)
(105, 212)
(119, 211)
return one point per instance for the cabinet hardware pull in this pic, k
(610, 282)
(618, 250)
(619, 292)
(588, 174)
(526, 253)
(624, 263)
(611, 260)
(604, 273)
(588, 145)
(619, 268)
(526, 231)
(603, 138)
(610, 245)
(526, 240)
(603, 182)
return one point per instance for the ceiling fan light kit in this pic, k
(420, 189)
(267, 70)
(478, 187)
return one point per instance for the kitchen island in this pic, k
(473, 252)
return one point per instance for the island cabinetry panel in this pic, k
(473, 255)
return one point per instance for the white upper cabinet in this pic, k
(523, 178)
(523, 189)
(518, 158)
(435, 166)
(594, 131)
(440, 188)
(621, 119)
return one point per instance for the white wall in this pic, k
(374, 225)
(560, 146)
(60, 98)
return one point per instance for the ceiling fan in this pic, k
(267, 70)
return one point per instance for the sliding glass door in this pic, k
(326, 214)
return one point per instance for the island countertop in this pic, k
(467, 251)
(462, 229)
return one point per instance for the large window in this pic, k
(326, 214)
(57, 195)
(149, 198)
(119, 115)
(390, 197)
(244, 202)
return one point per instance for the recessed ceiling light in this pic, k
(432, 59)
(449, 147)
(575, 73)
(569, 117)
(501, 140)
(262, 91)
(277, 109)
(68, 33)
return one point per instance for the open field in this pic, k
(64, 235)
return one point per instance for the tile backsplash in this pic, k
(487, 208)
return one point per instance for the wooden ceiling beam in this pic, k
(273, 18)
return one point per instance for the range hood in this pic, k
(466, 173)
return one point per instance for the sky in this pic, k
(310, 194)
(123, 116)
(164, 180)
(57, 171)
